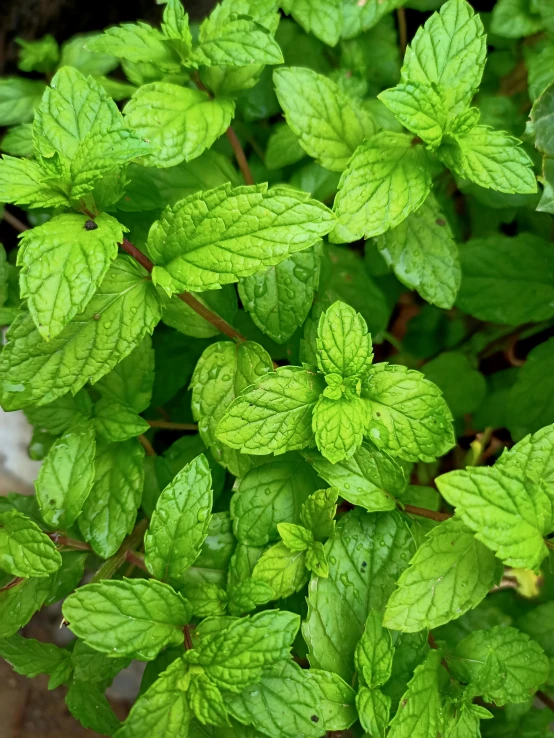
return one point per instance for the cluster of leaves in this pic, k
(301, 431)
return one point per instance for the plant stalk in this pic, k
(111, 565)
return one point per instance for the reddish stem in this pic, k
(240, 156)
(204, 312)
(545, 699)
(188, 638)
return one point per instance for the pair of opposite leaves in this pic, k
(340, 402)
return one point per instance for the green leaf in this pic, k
(531, 457)
(507, 280)
(366, 555)
(18, 141)
(31, 658)
(530, 401)
(223, 371)
(214, 237)
(514, 19)
(492, 159)
(282, 703)
(541, 116)
(323, 18)
(73, 108)
(280, 297)
(524, 667)
(423, 254)
(449, 51)
(131, 380)
(206, 701)
(87, 703)
(420, 712)
(370, 478)
(537, 624)
(110, 510)
(25, 551)
(206, 599)
(316, 560)
(164, 707)
(295, 537)
(180, 522)
(237, 41)
(508, 515)
(152, 189)
(343, 343)
(449, 574)
(374, 652)
(66, 477)
(213, 561)
(68, 576)
(282, 569)
(387, 162)
(175, 26)
(116, 421)
(63, 262)
(274, 414)
(339, 426)
(410, 418)
(18, 99)
(233, 657)
(419, 107)
(336, 699)
(97, 154)
(269, 494)
(138, 43)
(23, 182)
(62, 414)
(463, 387)
(180, 123)
(358, 18)
(283, 148)
(19, 603)
(92, 666)
(135, 617)
(75, 54)
(329, 125)
(122, 311)
(318, 512)
(247, 595)
(374, 711)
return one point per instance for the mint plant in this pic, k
(281, 315)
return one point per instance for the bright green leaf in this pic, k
(385, 163)
(67, 475)
(63, 262)
(180, 522)
(135, 617)
(25, 551)
(450, 573)
(507, 514)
